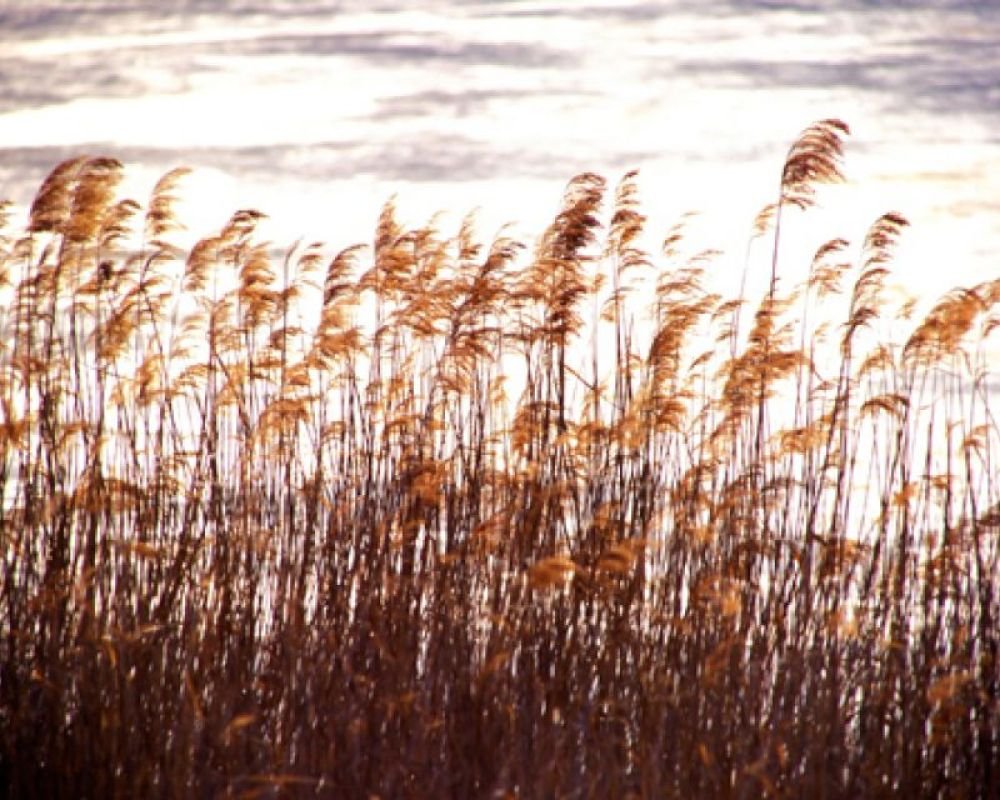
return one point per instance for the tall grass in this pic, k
(434, 518)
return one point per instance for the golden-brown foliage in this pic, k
(444, 519)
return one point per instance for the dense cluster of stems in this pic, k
(433, 518)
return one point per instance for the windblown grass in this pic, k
(434, 518)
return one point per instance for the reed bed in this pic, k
(437, 518)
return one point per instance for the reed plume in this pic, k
(439, 517)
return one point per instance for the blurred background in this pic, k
(317, 111)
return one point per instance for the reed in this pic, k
(437, 518)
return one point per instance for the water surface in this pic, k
(317, 111)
